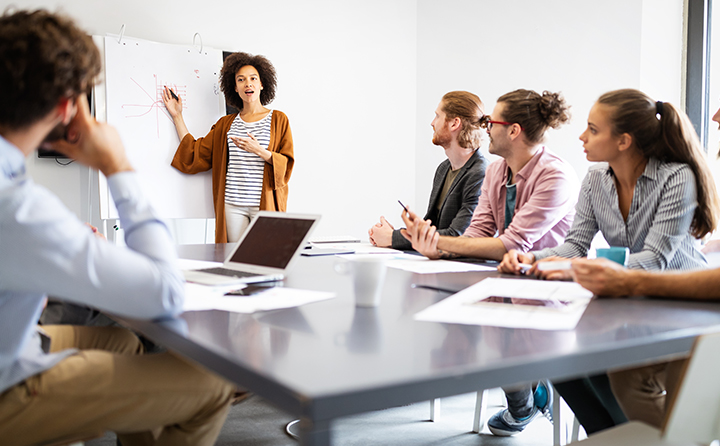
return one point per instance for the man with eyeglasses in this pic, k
(527, 201)
(457, 128)
(528, 197)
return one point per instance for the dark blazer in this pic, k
(462, 198)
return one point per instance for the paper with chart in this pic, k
(514, 303)
(135, 73)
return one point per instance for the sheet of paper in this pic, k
(360, 248)
(188, 264)
(423, 265)
(334, 239)
(200, 297)
(136, 72)
(514, 303)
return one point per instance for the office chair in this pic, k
(694, 412)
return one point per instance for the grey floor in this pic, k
(254, 422)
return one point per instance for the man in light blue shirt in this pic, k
(85, 380)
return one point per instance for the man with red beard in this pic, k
(529, 196)
(457, 128)
(527, 201)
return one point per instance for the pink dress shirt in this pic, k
(547, 190)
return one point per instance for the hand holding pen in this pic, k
(409, 218)
(421, 233)
(172, 102)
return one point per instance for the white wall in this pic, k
(580, 48)
(360, 80)
(341, 67)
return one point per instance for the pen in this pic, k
(172, 93)
(433, 288)
(403, 206)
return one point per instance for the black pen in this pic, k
(433, 288)
(172, 93)
(403, 206)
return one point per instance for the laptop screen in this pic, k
(272, 241)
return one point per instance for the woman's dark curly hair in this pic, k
(232, 65)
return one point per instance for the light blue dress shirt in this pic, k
(45, 249)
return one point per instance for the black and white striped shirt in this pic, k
(243, 182)
(657, 229)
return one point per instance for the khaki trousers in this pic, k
(146, 399)
(644, 392)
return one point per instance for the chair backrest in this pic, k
(694, 414)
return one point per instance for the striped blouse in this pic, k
(657, 229)
(243, 183)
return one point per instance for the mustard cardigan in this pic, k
(211, 152)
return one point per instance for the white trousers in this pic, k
(237, 219)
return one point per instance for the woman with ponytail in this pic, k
(652, 190)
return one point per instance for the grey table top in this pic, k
(330, 359)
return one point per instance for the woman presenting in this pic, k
(250, 152)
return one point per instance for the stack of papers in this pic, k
(514, 303)
(423, 265)
(201, 297)
(359, 248)
(334, 239)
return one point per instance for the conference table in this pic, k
(329, 359)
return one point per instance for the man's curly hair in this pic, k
(232, 65)
(44, 57)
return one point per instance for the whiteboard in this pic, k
(135, 73)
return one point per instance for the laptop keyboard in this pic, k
(228, 272)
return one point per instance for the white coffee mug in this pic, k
(368, 277)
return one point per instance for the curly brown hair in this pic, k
(44, 57)
(232, 65)
(535, 112)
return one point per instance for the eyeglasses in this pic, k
(486, 122)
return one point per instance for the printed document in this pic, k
(514, 303)
(201, 297)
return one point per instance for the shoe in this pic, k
(543, 397)
(503, 424)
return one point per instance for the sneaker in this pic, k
(543, 397)
(503, 424)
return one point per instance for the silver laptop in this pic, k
(265, 252)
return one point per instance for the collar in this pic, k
(475, 156)
(650, 172)
(12, 160)
(651, 168)
(527, 169)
